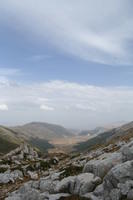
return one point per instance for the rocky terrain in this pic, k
(103, 173)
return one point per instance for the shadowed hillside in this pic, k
(124, 132)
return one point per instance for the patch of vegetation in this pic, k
(41, 144)
(31, 167)
(44, 165)
(6, 146)
(3, 169)
(71, 171)
(18, 168)
(5, 162)
(74, 155)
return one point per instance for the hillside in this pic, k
(9, 140)
(42, 130)
(124, 132)
(102, 129)
(97, 130)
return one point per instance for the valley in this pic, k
(75, 167)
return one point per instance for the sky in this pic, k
(66, 62)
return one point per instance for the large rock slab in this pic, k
(31, 194)
(119, 181)
(103, 164)
(127, 152)
(9, 176)
(79, 185)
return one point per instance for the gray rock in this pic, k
(120, 178)
(31, 194)
(10, 176)
(99, 191)
(125, 187)
(66, 185)
(115, 194)
(127, 152)
(44, 196)
(85, 183)
(120, 174)
(104, 163)
(14, 198)
(47, 185)
(33, 175)
(24, 151)
(79, 185)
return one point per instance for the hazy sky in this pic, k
(68, 62)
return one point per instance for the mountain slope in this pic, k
(42, 130)
(97, 130)
(102, 129)
(9, 140)
(124, 132)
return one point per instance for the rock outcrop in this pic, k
(106, 175)
(9, 176)
(78, 185)
(101, 166)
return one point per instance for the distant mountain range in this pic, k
(40, 134)
(97, 130)
(36, 133)
(42, 130)
(101, 129)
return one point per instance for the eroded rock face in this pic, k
(103, 164)
(80, 184)
(23, 152)
(118, 182)
(119, 174)
(31, 194)
(10, 176)
(66, 185)
(47, 185)
(127, 152)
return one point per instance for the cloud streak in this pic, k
(46, 108)
(97, 31)
(3, 107)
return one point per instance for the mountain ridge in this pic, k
(42, 130)
(124, 132)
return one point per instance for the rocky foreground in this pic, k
(102, 174)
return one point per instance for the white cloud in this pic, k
(72, 104)
(99, 31)
(47, 108)
(3, 107)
